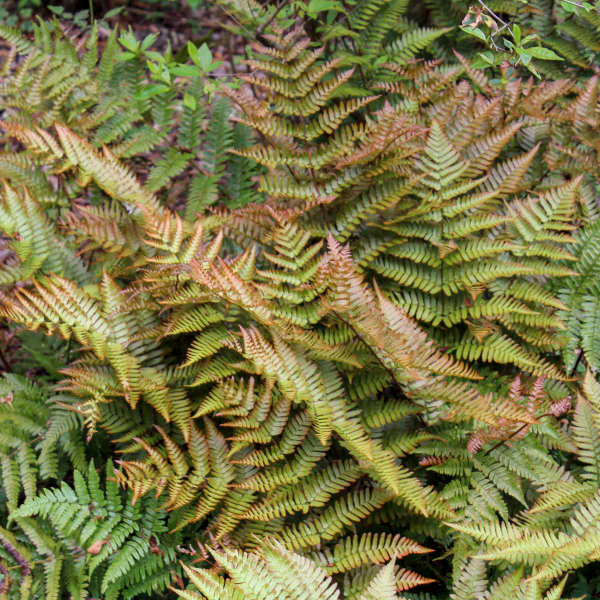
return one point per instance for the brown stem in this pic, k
(230, 54)
(264, 26)
(515, 433)
(4, 360)
(579, 357)
(512, 435)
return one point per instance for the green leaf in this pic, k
(113, 12)
(201, 57)
(152, 90)
(488, 57)
(149, 40)
(525, 56)
(192, 51)
(189, 101)
(205, 57)
(81, 16)
(543, 53)
(164, 76)
(568, 7)
(154, 68)
(185, 70)
(156, 56)
(317, 6)
(129, 41)
(475, 31)
(532, 69)
(517, 34)
(124, 56)
(338, 30)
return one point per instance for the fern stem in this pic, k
(514, 434)
(577, 361)
(68, 351)
(387, 369)
(442, 272)
(5, 363)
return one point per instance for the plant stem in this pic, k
(3, 359)
(579, 357)
(504, 24)
(493, 13)
(515, 434)
(577, 4)
(263, 27)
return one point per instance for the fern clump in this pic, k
(284, 574)
(556, 533)
(434, 204)
(91, 540)
(322, 374)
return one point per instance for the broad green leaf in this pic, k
(185, 70)
(543, 53)
(189, 101)
(129, 41)
(149, 40)
(317, 6)
(113, 12)
(152, 90)
(475, 31)
(517, 34)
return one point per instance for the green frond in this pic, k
(351, 553)
(409, 44)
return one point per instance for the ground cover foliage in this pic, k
(326, 330)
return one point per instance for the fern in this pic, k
(581, 296)
(100, 545)
(275, 572)
(348, 363)
(421, 212)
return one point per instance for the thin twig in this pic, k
(264, 26)
(504, 24)
(230, 56)
(234, 18)
(577, 4)
(493, 13)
